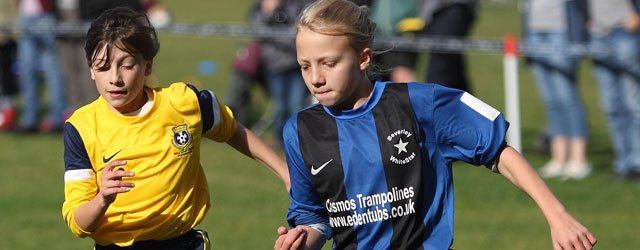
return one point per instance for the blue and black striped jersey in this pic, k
(380, 175)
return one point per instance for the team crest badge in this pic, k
(182, 139)
(401, 141)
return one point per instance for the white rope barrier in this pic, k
(414, 43)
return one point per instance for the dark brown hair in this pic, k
(124, 28)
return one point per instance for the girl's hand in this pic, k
(112, 183)
(568, 233)
(290, 239)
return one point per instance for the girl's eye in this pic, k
(101, 68)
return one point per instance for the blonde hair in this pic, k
(340, 18)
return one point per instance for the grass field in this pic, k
(249, 202)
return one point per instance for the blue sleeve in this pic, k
(305, 208)
(205, 101)
(463, 127)
(217, 119)
(75, 154)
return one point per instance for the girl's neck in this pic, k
(360, 96)
(364, 92)
(145, 105)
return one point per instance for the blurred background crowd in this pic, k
(49, 66)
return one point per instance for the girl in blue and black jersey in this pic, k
(133, 178)
(370, 165)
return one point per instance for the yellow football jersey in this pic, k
(162, 148)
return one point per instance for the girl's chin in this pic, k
(328, 103)
(118, 105)
(324, 101)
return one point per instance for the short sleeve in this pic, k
(466, 128)
(217, 119)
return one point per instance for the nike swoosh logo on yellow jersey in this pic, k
(315, 171)
(107, 159)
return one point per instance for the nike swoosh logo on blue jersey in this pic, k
(315, 171)
(105, 160)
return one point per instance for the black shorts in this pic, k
(192, 240)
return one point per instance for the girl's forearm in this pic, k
(250, 145)
(89, 215)
(520, 172)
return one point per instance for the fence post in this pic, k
(511, 91)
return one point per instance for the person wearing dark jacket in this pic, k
(286, 88)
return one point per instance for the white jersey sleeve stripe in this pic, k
(78, 175)
(479, 106)
(216, 111)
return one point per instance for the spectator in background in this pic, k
(8, 85)
(396, 66)
(91, 9)
(80, 89)
(452, 19)
(362, 2)
(37, 49)
(158, 14)
(558, 24)
(433, 19)
(615, 26)
(247, 70)
(287, 90)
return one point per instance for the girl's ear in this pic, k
(93, 74)
(148, 66)
(365, 58)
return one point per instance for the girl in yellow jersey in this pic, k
(133, 178)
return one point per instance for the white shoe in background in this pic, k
(552, 170)
(577, 171)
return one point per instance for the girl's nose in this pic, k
(317, 78)
(115, 78)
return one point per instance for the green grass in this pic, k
(249, 202)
